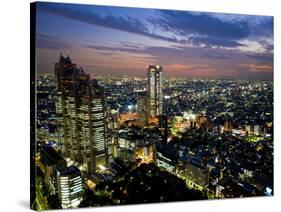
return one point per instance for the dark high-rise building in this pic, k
(142, 104)
(52, 161)
(155, 90)
(163, 126)
(81, 115)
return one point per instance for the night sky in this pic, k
(119, 40)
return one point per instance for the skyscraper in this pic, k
(81, 115)
(155, 90)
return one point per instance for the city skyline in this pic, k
(114, 40)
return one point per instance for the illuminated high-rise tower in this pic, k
(70, 187)
(81, 115)
(155, 90)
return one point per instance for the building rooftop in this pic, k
(50, 157)
(71, 170)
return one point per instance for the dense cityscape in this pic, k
(137, 105)
(114, 140)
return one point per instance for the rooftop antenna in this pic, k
(61, 56)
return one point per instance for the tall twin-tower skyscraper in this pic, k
(81, 115)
